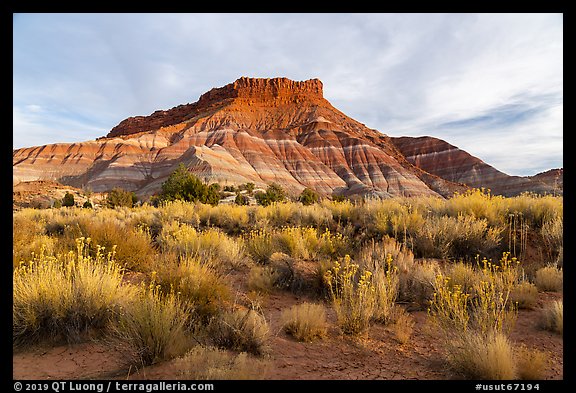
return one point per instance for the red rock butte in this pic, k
(262, 131)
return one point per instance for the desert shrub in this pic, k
(68, 200)
(260, 246)
(180, 211)
(549, 279)
(66, 295)
(553, 233)
(199, 285)
(480, 356)
(274, 193)
(153, 328)
(119, 197)
(209, 363)
(465, 276)
(385, 283)
(87, 205)
(374, 254)
(132, 247)
(403, 324)
(241, 330)
(232, 219)
(181, 184)
(298, 242)
(477, 203)
(334, 245)
(536, 209)
(352, 295)
(28, 239)
(552, 316)
(342, 210)
(210, 246)
(262, 278)
(305, 322)
(241, 200)
(308, 197)
(416, 283)
(524, 295)
(485, 307)
(457, 237)
(531, 363)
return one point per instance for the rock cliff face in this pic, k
(451, 163)
(251, 130)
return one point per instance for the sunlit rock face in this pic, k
(260, 131)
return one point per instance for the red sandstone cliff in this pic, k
(251, 130)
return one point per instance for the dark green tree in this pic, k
(87, 205)
(274, 193)
(68, 200)
(241, 200)
(249, 187)
(183, 185)
(309, 196)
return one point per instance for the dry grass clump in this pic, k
(416, 282)
(524, 295)
(553, 234)
(459, 237)
(531, 363)
(305, 322)
(210, 245)
(552, 316)
(153, 328)
(201, 286)
(209, 363)
(385, 283)
(231, 218)
(133, 247)
(481, 356)
(260, 246)
(262, 278)
(66, 295)
(549, 279)
(403, 324)
(241, 330)
(28, 239)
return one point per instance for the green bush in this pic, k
(119, 197)
(241, 200)
(274, 193)
(68, 200)
(181, 184)
(309, 197)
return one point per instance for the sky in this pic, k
(490, 84)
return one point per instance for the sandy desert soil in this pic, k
(379, 356)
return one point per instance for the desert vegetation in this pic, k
(188, 280)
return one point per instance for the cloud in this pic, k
(404, 74)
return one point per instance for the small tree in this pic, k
(181, 184)
(68, 200)
(274, 193)
(119, 197)
(241, 200)
(249, 187)
(309, 197)
(87, 205)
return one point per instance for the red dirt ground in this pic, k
(379, 356)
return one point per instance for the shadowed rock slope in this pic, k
(436, 156)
